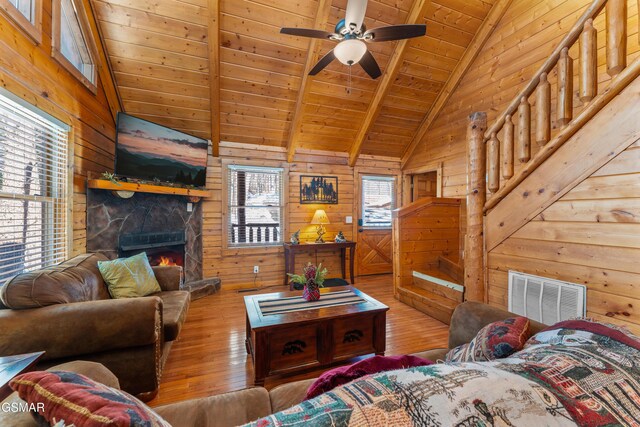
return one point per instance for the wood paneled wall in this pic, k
(589, 236)
(522, 41)
(235, 266)
(29, 71)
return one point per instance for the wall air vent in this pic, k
(546, 300)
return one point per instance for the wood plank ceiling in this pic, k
(159, 55)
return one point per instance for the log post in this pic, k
(543, 111)
(494, 163)
(616, 36)
(565, 88)
(507, 148)
(476, 198)
(588, 62)
(524, 131)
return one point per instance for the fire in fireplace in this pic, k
(165, 248)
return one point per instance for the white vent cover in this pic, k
(546, 300)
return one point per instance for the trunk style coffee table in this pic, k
(286, 334)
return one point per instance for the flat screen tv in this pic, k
(150, 152)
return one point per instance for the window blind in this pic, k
(33, 188)
(378, 200)
(255, 205)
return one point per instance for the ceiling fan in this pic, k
(351, 33)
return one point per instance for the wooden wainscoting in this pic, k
(210, 357)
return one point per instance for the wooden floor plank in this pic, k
(210, 358)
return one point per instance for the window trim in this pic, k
(85, 28)
(33, 30)
(230, 249)
(382, 177)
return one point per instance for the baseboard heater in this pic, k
(545, 300)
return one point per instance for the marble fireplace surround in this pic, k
(109, 216)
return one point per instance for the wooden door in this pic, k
(376, 200)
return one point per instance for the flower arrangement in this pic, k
(312, 278)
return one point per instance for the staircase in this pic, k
(426, 274)
(534, 160)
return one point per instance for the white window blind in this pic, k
(33, 188)
(378, 200)
(256, 205)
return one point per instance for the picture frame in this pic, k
(318, 189)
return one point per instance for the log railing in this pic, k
(508, 139)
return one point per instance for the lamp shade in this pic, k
(350, 51)
(320, 217)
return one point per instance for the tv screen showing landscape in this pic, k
(150, 152)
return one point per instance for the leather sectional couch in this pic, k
(66, 310)
(243, 406)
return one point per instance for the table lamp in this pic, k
(320, 218)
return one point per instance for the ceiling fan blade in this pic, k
(307, 32)
(354, 16)
(324, 61)
(369, 64)
(395, 32)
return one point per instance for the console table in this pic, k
(290, 252)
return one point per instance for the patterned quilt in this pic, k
(573, 373)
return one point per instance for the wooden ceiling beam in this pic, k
(313, 55)
(214, 73)
(416, 15)
(470, 54)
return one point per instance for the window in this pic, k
(378, 200)
(256, 206)
(72, 45)
(33, 188)
(26, 14)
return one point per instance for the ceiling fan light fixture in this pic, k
(350, 51)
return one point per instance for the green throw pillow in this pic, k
(129, 277)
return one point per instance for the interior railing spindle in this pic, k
(565, 88)
(588, 62)
(507, 148)
(543, 111)
(524, 131)
(616, 36)
(494, 163)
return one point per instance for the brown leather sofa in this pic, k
(243, 406)
(66, 310)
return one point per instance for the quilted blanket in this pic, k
(573, 373)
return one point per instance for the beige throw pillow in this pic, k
(129, 277)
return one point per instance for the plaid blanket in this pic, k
(573, 373)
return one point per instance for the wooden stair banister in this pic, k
(517, 143)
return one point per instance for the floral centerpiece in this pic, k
(312, 278)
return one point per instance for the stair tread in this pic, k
(438, 299)
(434, 272)
(456, 262)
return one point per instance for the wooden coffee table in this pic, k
(317, 336)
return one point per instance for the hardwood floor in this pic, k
(210, 357)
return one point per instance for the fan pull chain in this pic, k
(349, 81)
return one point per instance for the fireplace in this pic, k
(166, 248)
(158, 224)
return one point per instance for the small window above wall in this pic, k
(73, 45)
(26, 14)
(255, 206)
(378, 200)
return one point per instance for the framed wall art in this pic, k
(318, 189)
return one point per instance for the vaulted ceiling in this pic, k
(257, 87)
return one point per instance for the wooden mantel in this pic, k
(103, 184)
